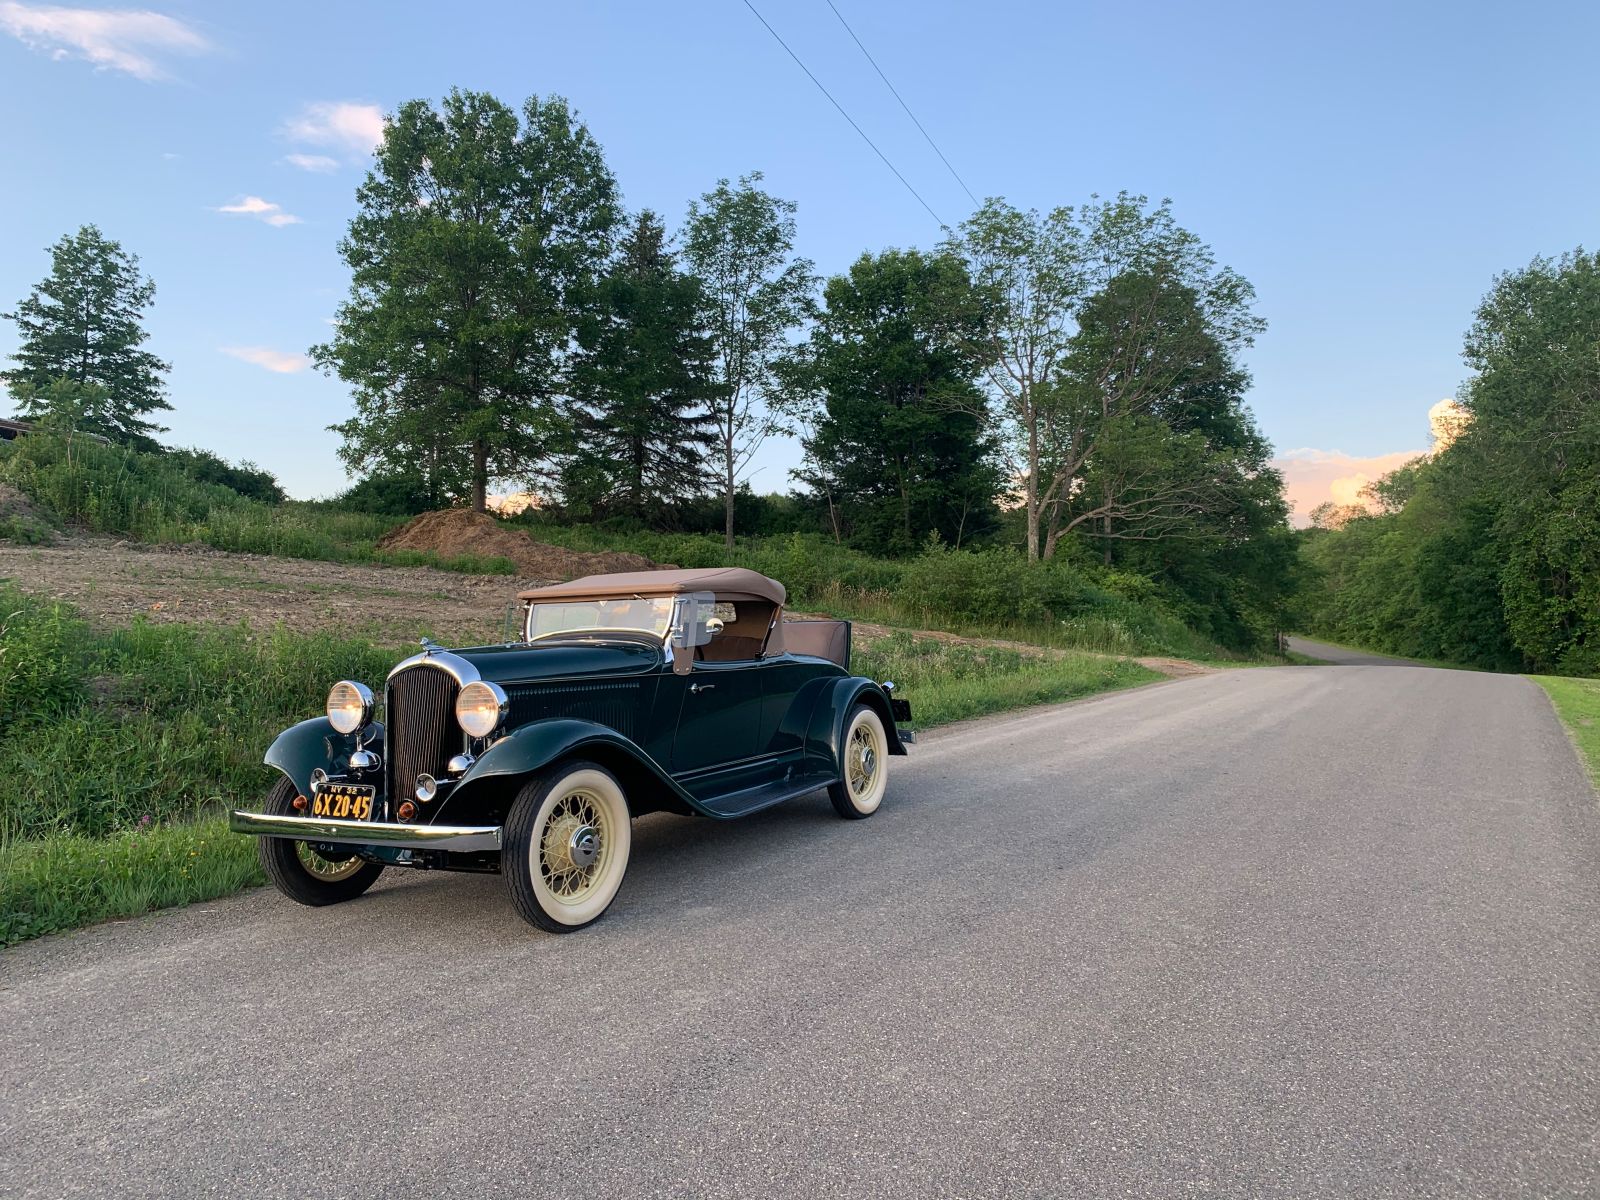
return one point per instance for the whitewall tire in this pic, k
(567, 840)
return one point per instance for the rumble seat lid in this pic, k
(726, 583)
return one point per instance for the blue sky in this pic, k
(1369, 167)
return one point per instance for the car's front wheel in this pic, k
(864, 769)
(304, 874)
(567, 839)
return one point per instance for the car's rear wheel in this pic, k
(864, 769)
(305, 874)
(567, 839)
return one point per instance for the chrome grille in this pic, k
(612, 703)
(422, 729)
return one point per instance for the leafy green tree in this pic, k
(82, 329)
(644, 385)
(739, 242)
(1534, 436)
(1041, 271)
(479, 237)
(900, 442)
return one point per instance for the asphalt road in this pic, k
(1342, 656)
(1298, 932)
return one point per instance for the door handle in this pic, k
(697, 688)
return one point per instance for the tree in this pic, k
(644, 385)
(83, 324)
(899, 443)
(1040, 272)
(478, 238)
(739, 242)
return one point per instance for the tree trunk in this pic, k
(727, 497)
(480, 476)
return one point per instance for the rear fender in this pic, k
(302, 748)
(486, 791)
(825, 737)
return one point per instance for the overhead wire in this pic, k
(798, 62)
(896, 93)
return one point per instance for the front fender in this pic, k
(302, 748)
(488, 786)
(825, 736)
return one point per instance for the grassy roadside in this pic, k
(1577, 703)
(123, 746)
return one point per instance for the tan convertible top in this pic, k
(726, 583)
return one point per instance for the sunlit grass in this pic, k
(1577, 703)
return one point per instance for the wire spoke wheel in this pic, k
(566, 846)
(572, 850)
(863, 766)
(328, 870)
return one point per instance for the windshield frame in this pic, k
(659, 631)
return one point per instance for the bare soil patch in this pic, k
(112, 581)
(459, 532)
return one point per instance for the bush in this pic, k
(245, 478)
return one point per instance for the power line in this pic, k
(846, 115)
(903, 104)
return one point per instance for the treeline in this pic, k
(1488, 552)
(1065, 383)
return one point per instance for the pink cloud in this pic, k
(280, 361)
(1312, 477)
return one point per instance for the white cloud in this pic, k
(264, 210)
(127, 40)
(341, 125)
(312, 162)
(280, 361)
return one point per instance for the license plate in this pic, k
(344, 800)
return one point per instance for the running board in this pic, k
(743, 803)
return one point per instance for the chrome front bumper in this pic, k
(367, 833)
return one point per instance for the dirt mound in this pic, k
(456, 532)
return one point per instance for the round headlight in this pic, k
(349, 706)
(481, 707)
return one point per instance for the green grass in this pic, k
(947, 682)
(121, 748)
(70, 879)
(1577, 703)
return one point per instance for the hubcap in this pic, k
(584, 846)
(573, 846)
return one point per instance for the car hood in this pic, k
(562, 660)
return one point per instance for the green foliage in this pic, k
(899, 444)
(1489, 553)
(152, 723)
(69, 880)
(952, 682)
(479, 236)
(739, 242)
(1084, 341)
(398, 494)
(249, 480)
(80, 362)
(643, 387)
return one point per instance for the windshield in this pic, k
(652, 616)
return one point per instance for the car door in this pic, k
(719, 716)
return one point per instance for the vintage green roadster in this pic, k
(683, 691)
